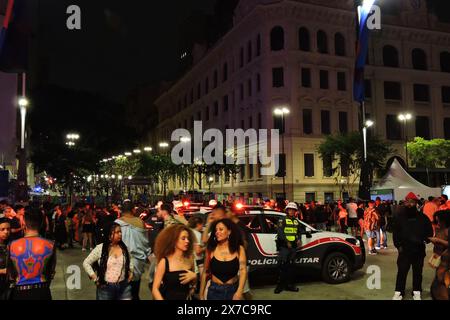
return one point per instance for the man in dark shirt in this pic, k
(381, 233)
(16, 227)
(412, 231)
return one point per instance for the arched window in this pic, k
(339, 44)
(419, 59)
(445, 61)
(390, 56)
(277, 39)
(304, 41)
(322, 42)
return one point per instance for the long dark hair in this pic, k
(235, 240)
(105, 255)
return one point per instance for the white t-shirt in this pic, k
(352, 210)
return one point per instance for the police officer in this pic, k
(288, 240)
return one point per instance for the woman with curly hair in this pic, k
(176, 270)
(225, 264)
(114, 267)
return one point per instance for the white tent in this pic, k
(397, 183)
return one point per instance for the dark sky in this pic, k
(121, 44)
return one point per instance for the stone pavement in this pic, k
(356, 289)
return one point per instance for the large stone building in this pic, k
(300, 54)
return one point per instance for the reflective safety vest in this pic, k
(291, 229)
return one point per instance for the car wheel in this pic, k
(336, 268)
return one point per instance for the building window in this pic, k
(324, 84)
(249, 51)
(278, 77)
(249, 87)
(447, 128)
(392, 90)
(199, 116)
(309, 165)
(345, 168)
(304, 41)
(241, 91)
(310, 196)
(343, 122)
(191, 97)
(185, 124)
(258, 45)
(216, 108)
(259, 121)
(327, 166)
(242, 172)
(339, 44)
(329, 197)
(393, 128)
(322, 42)
(325, 122)
(341, 81)
(225, 72)
(216, 78)
(390, 56)
(199, 91)
(446, 94)
(445, 61)
(206, 86)
(419, 59)
(421, 93)
(258, 82)
(207, 114)
(225, 103)
(423, 127)
(241, 58)
(306, 77)
(277, 39)
(368, 88)
(250, 122)
(307, 121)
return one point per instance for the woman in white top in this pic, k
(114, 269)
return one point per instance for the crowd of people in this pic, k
(204, 259)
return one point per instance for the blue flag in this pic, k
(362, 47)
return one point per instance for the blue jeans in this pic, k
(222, 292)
(381, 231)
(114, 291)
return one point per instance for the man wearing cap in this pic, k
(288, 240)
(412, 231)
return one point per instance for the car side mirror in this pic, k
(308, 233)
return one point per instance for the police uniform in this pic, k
(288, 233)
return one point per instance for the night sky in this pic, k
(121, 44)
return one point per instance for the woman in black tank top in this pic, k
(226, 263)
(175, 274)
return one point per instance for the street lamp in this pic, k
(136, 151)
(148, 149)
(128, 154)
(163, 145)
(282, 112)
(367, 124)
(404, 117)
(72, 138)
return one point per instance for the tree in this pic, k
(346, 152)
(429, 153)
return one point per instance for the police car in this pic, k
(334, 255)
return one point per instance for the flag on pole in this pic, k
(362, 47)
(15, 31)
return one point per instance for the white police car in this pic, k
(335, 255)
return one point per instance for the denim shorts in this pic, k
(222, 292)
(371, 234)
(114, 291)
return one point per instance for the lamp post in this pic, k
(22, 188)
(404, 118)
(368, 124)
(282, 113)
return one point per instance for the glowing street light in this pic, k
(404, 117)
(282, 112)
(148, 149)
(369, 123)
(163, 145)
(128, 154)
(137, 151)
